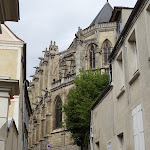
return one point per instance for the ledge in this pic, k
(62, 85)
(135, 76)
(49, 114)
(42, 139)
(122, 90)
(43, 119)
(47, 135)
(56, 131)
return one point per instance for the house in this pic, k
(120, 117)
(13, 69)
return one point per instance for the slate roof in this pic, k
(104, 15)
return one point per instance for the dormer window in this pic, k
(119, 24)
(119, 28)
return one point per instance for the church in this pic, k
(54, 76)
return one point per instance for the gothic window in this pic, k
(58, 112)
(106, 51)
(92, 56)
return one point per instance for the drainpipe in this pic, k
(91, 131)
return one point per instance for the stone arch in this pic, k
(57, 112)
(106, 50)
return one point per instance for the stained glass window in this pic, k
(106, 50)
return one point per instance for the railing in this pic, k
(99, 26)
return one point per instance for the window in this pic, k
(119, 69)
(119, 23)
(110, 73)
(58, 112)
(97, 145)
(92, 56)
(138, 129)
(132, 54)
(121, 142)
(109, 146)
(119, 28)
(106, 48)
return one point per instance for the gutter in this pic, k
(91, 131)
(121, 37)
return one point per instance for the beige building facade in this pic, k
(120, 117)
(13, 67)
(8, 88)
(15, 107)
(54, 77)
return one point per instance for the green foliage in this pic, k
(88, 86)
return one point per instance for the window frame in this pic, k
(92, 56)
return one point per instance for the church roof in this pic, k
(104, 15)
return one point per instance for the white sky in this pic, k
(44, 20)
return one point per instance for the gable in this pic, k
(7, 34)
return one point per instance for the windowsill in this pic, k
(122, 90)
(43, 119)
(135, 76)
(47, 135)
(49, 114)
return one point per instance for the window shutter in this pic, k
(109, 146)
(138, 128)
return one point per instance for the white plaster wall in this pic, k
(14, 110)
(12, 139)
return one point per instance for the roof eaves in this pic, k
(102, 96)
(13, 33)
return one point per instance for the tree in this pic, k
(88, 86)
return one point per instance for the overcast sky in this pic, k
(44, 20)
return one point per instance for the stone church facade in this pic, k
(54, 77)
